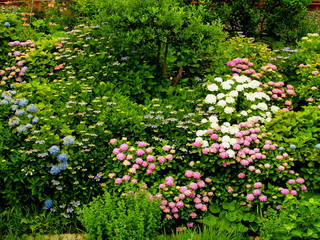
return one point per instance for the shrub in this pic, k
(295, 220)
(133, 215)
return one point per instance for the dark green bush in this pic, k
(130, 216)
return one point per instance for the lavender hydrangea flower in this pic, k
(54, 150)
(32, 108)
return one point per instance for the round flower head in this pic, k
(63, 165)
(55, 170)
(32, 108)
(35, 120)
(48, 203)
(6, 24)
(263, 198)
(250, 197)
(258, 185)
(68, 140)
(14, 121)
(62, 157)
(54, 150)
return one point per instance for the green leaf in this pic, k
(214, 208)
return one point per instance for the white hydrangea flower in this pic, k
(211, 108)
(213, 87)
(262, 106)
(225, 138)
(229, 110)
(244, 113)
(220, 95)
(205, 143)
(254, 84)
(230, 100)
(218, 79)
(231, 82)
(214, 125)
(274, 109)
(251, 97)
(225, 144)
(224, 129)
(199, 139)
(239, 88)
(225, 86)
(233, 141)
(230, 153)
(233, 93)
(240, 79)
(204, 120)
(210, 99)
(222, 103)
(254, 107)
(200, 133)
(213, 119)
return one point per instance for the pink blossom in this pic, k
(169, 157)
(196, 175)
(176, 215)
(169, 217)
(285, 191)
(197, 144)
(223, 155)
(205, 199)
(304, 188)
(169, 183)
(241, 175)
(201, 184)
(16, 53)
(310, 99)
(161, 159)
(140, 152)
(210, 194)
(293, 192)
(188, 173)
(288, 103)
(256, 192)
(204, 208)
(183, 189)
(129, 156)
(118, 181)
(166, 148)
(166, 210)
(158, 195)
(152, 166)
(198, 205)
(123, 147)
(190, 225)
(126, 178)
(172, 204)
(134, 181)
(164, 202)
(281, 168)
(142, 144)
(208, 180)
(139, 161)
(121, 156)
(162, 186)
(144, 164)
(257, 185)
(244, 162)
(150, 158)
(291, 181)
(251, 168)
(179, 204)
(149, 150)
(116, 151)
(250, 197)
(193, 186)
(291, 92)
(257, 171)
(315, 72)
(182, 196)
(230, 190)
(193, 215)
(169, 179)
(300, 180)
(263, 198)
(197, 200)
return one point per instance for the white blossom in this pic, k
(229, 110)
(210, 99)
(213, 87)
(233, 93)
(222, 103)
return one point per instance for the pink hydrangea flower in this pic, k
(126, 178)
(183, 189)
(113, 141)
(300, 180)
(230, 190)
(139, 161)
(197, 144)
(201, 184)
(291, 181)
(150, 158)
(172, 204)
(179, 204)
(190, 225)
(256, 192)
(142, 144)
(123, 147)
(118, 181)
(257, 185)
(193, 186)
(205, 199)
(198, 205)
(166, 148)
(285, 191)
(250, 197)
(193, 215)
(152, 166)
(169, 157)
(149, 150)
(293, 192)
(208, 180)
(188, 173)
(196, 175)
(144, 164)
(161, 159)
(162, 186)
(281, 168)
(140, 152)
(304, 188)
(263, 198)
(121, 156)
(116, 151)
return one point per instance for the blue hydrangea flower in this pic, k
(48, 203)
(22, 128)
(14, 107)
(30, 116)
(68, 140)
(19, 112)
(3, 102)
(54, 150)
(281, 148)
(32, 108)
(63, 165)
(35, 120)
(55, 170)
(317, 146)
(6, 24)
(23, 102)
(28, 125)
(292, 146)
(14, 121)
(62, 157)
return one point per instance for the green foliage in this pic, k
(299, 129)
(231, 216)
(295, 220)
(283, 20)
(133, 215)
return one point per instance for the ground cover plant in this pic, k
(88, 121)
